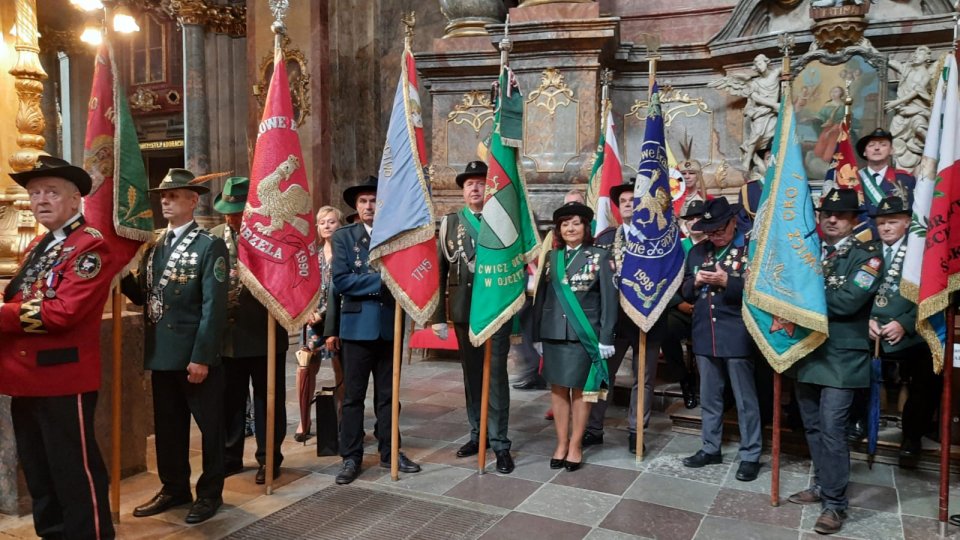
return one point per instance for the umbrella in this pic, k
(873, 409)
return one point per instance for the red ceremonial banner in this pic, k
(277, 244)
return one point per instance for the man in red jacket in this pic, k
(50, 356)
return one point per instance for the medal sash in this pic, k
(155, 293)
(598, 378)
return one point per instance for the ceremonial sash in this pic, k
(871, 187)
(598, 375)
(470, 223)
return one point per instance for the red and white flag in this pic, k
(931, 267)
(277, 245)
(607, 173)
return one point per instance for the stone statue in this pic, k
(834, 3)
(761, 87)
(911, 108)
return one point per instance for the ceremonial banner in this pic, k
(117, 205)
(653, 256)
(784, 307)
(507, 240)
(843, 171)
(277, 244)
(402, 244)
(607, 173)
(932, 264)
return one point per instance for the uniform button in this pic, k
(712, 293)
(714, 319)
(170, 326)
(167, 306)
(563, 315)
(231, 320)
(23, 353)
(176, 291)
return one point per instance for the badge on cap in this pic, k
(836, 196)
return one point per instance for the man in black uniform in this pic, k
(244, 350)
(458, 236)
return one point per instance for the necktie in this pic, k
(829, 250)
(168, 244)
(876, 178)
(477, 215)
(887, 256)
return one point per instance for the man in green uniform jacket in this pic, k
(893, 320)
(457, 250)
(183, 282)
(828, 376)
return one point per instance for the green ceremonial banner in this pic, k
(508, 239)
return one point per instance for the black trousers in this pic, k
(63, 466)
(924, 389)
(498, 409)
(360, 359)
(239, 372)
(175, 400)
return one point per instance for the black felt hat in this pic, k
(694, 209)
(616, 191)
(878, 133)
(351, 193)
(573, 209)
(716, 213)
(840, 200)
(46, 166)
(891, 206)
(472, 170)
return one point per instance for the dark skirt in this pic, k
(565, 363)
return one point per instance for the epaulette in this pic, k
(93, 232)
(206, 233)
(871, 246)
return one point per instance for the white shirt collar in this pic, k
(368, 228)
(896, 245)
(838, 244)
(882, 172)
(59, 235)
(178, 231)
(574, 248)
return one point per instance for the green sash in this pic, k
(872, 188)
(598, 379)
(470, 223)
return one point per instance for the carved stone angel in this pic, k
(911, 108)
(761, 87)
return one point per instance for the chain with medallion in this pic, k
(890, 285)
(155, 293)
(236, 286)
(834, 281)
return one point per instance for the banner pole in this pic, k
(946, 415)
(395, 405)
(775, 450)
(641, 391)
(484, 405)
(117, 394)
(271, 397)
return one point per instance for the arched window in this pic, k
(148, 62)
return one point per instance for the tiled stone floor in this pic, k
(611, 497)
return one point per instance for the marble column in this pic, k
(196, 127)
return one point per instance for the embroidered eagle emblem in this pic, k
(282, 207)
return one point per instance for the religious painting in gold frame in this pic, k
(298, 77)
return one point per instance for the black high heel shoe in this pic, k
(556, 463)
(571, 466)
(301, 437)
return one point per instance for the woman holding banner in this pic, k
(576, 310)
(314, 348)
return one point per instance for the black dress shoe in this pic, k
(748, 471)
(590, 439)
(504, 461)
(405, 465)
(262, 474)
(702, 458)
(469, 448)
(910, 448)
(632, 444)
(857, 431)
(556, 463)
(203, 509)
(160, 502)
(689, 393)
(531, 384)
(349, 472)
(571, 466)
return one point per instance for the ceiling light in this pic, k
(124, 22)
(87, 5)
(91, 35)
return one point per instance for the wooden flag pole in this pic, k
(484, 405)
(395, 405)
(641, 390)
(117, 394)
(775, 451)
(946, 415)
(271, 397)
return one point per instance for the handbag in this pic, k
(328, 425)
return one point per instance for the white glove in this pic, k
(538, 346)
(606, 351)
(441, 330)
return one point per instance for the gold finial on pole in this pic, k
(505, 44)
(652, 42)
(279, 9)
(785, 43)
(409, 21)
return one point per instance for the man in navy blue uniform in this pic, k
(366, 317)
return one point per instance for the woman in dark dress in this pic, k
(576, 311)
